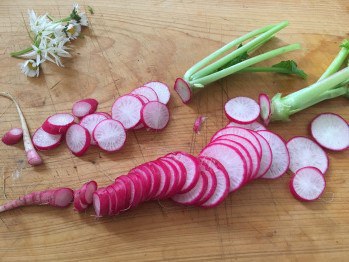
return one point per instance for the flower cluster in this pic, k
(50, 39)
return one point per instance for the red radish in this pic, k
(130, 190)
(265, 108)
(197, 124)
(155, 115)
(143, 98)
(165, 179)
(90, 122)
(180, 170)
(305, 152)
(161, 90)
(13, 136)
(242, 110)
(78, 205)
(281, 158)
(58, 123)
(147, 92)
(32, 156)
(266, 157)
(211, 182)
(119, 192)
(78, 139)
(174, 178)
(255, 126)
(183, 90)
(307, 184)
(45, 141)
(86, 192)
(145, 179)
(110, 135)
(101, 202)
(84, 107)
(59, 197)
(127, 110)
(107, 115)
(331, 131)
(138, 190)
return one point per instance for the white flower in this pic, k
(73, 29)
(83, 18)
(30, 68)
(42, 26)
(57, 50)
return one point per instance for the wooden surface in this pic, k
(132, 42)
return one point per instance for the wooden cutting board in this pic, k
(130, 43)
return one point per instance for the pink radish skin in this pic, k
(330, 131)
(87, 191)
(266, 157)
(165, 179)
(84, 107)
(155, 115)
(307, 184)
(59, 197)
(197, 124)
(78, 139)
(138, 190)
(144, 177)
(161, 90)
(174, 178)
(13, 136)
(211, 182)
(155, 179)
(58, 123)
(78, 205)
(45, 141)
(101, 202)
(183, 90)
(147, 92)
(107, 115)
(127, 110)
(90, 122)
(129, 187)
(109, 135)
(255, 126)
(242, 110)
(265, 108)
(180, 171)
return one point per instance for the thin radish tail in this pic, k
(12, 205)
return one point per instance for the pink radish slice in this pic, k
(84, 107)
(305, 152)
(255, 126)
(101, 202)
(265, 108)
(211, 182)
(197, 124)
(13, 136)
(161, 90)
(174, 178)
(138, 190)
(191, 165)
(307, 184)
(155, 179)
(145, 180)
(183, 90)
(181, 171)
(331, 131)
(266, 157)
(78, 206)
(130, 190)
(86, 192)
(120, 193)
(143, 98)
(155, 115)
(113, 200)
(223, 183)
(109, 135)
(127, 110)
(45, 141)
(139, 126)
(78, 139)
(231, 159)
(165, 179)
(107, 115)
(243, 110)
(58, 123)
(147, 92)
(90, 122)
(281, 158)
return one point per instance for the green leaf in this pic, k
(290, 67)
(236, 60)
(75, 16)
(90, 9)
(345, 44)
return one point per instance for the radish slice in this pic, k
(183, 90)
(13, 136)
(45, 141)
(266, 158)
(58, 123)
(86, 192)
(173, 186)
(143, 98)
(242, 110)
(127, 110)
(161, 90)
(197, 124)
(155, 179)
(207, 171)
(78, 205)
(165, 179)
(255, 126)
(265, 107)
(78, 139)
(101, 202)
(155, 115)
(305, 152)
(107, 115)
(331, 131)
(307, 184)
(90, 122)
(147, 92)
(120, 194)
(180, 170)
(129, 186)
(281, 158)
(110, 135)
(84, 107)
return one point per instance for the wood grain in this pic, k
(132, 42)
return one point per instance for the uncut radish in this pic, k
(183, 90)
(59, 197)
(307, 184)
(84, 107)
(161, 90)
(255, 126)
(197, 124)
(155, 115)
(331, 131)
(58, 123)
(242, 110)
(78, 139)
(13, 136)
(90, 122)
(109, 135)
(127, 110)
(46, 141)
(147, 92)
(265, 108)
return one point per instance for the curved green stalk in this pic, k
(22, 52)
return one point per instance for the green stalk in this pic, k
(266, 69)
(22, 52)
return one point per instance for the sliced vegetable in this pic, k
(78, 139)
(90, 122)
(58, 123)
(242, 110)
(127, 110)
(13, 136)
(84, 107)
(256, 126)
(147, 92)
(109, 135)
(46, 141)
(155, 115)
(198, 122)
(161, 90)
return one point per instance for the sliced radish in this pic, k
(90, 122)
(255, 126)
(109, 135)
(107, 115)
(165, 179)
(243, 110)
(174, 178)
(101, 202)
(86, 192)
(180, 171)
(147, 92)
(305, 152)
(161, 90)
(130, 190)
(13, 136)
(113, 200)
(145, 179)
(207, 171)
(139, 126)
(155, 179)
(155, 115)
(58, 123)
(331, 131)
(265, 107)
(127, 110)
(266, 157)
(120, 194)
(307, 184)
(183, 90)
(281, 158)
(84, 107)
(78, 205)
(78, 139)
(45, 141)
(197, 124)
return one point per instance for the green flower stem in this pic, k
(67, 19)
(266, 69)
(22, 52)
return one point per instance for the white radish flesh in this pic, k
(58, 123)
(84, 107)
(127, 110)
(147, 92)
(90, 122)
(265, 107)
(45, 141)
(211, 182)
(155, 115)
(255, 126)
(161, 90)
(183, 90)
(242, 110)
(13, 136)
(78, 139)
(109, 135)
(86, 192)
(266, 157)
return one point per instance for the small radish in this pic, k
(147, 92)
(109, 135)
(161, 90)
(305, 152)
(59, 197)
(78, 139)
(255, 126)
(331, 131)
(183, 90)
(155, 115)
(58, 123)
(90, 122)
(265, 107)
(13, 136)
(84, 107)
(242, 110)
(197, 124)
(45, 141)
(307, 184)
(127, 110)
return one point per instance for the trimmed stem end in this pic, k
(33, 158)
